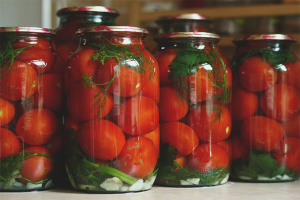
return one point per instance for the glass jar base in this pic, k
(28, 187)
(278, 178)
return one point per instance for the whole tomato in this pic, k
(101, 139)
(9, 143)
(259, 132)
(227, 145)
(179, 135)
(291, 75)
(37, 126)
(20, 82)
(138, 115)
(138, 157)
(239, 149)
(7, 111)
(155, 137)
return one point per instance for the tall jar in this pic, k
(266, 104)
(191, 22)
(31, 98)
(112, 126)
(73, 18)
(194, 110)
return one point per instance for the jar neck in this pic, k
(104, 18)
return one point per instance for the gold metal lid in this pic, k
(100, 28)
(27, 30)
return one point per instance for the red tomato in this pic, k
(203, 120)
(292, 127)
(208, 156)
(138, 157)
(37, 168)
(38, 59)
(200, 84)
(82, 62)
(66, 50)
(239, 150)
(171, 107)
(182, 161)
(281, 102)
(179, 135)
(82, 102)
(138, 115)
(22, 107)
(126, 83)
(245, 103)
(20, 82)
(38, 42)
(50, 92)
(164, 59)
(7, 111)
(227, 145)
(58, 66)
(37, 126)
(256, 74)
(9, 143)
(71, 124)
(262, 133)
(291, 75)
(55, 145)
(101, 139)
(155, 137)
(288, 153)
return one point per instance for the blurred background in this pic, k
(230, 17)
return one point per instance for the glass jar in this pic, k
(194, 110)
(73, 18)
(31, 99)
(265, 112)
(112, 128)
(191, 22)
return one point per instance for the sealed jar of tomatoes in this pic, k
(191, 22)
(112, 126)
(265, 112)
(73, 18)
(31, 98)
(194, 110)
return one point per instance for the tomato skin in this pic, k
(71, 124)
(66, 50)
(155, 137)
(58, 66)
(206, 125)
(291, 75)
(227, 145)
(55, 145)
(138, 157)
(82, 62)
(179, 135)
(101, 139)
(66, 31)
(20, 82)
(50, 92)
(81, 103)
(9, 143)
(259, 132)
(256, 74)
(200, 85)
(182, 161)
(138, 115)
(39, 43)
(127, 83)
(208, 156)
(281, 102)
(37, 126)
(292, 127)
(37, 168)
(288, 153)
(239, 150)
(171, 108)
(7, 111)
(245, 103)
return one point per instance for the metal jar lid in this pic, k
(27, 30)
(204, 35)
(186, 16)
(99, 28)
(264, 37)
(97, 9)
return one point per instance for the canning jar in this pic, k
(31, 98)
(112, 127)
(73, 18)
(194, 110)
(191, 22)
(265, 111)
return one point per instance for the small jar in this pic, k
(112, 125)
(191, 22)
(265, 112)
(73, 18)
(194, 110)
(31, 99)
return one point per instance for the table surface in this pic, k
(230, 191)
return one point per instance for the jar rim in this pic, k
(264, 37)
(205, 35)
(101, 28)
(184, 16)
(27, 30)
(99, 9)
